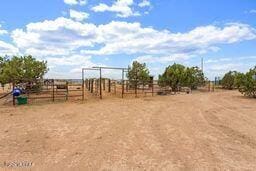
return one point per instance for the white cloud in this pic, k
(162, 59)
(78, 15)
(69, 66)
(221, 69)
(70, 2)
(247, 57)
(73, 60)
(144, 3)
(67, 42)
(57, 37)
(131, 38)
(221, 65)
(121, 7)
(62, 36)
(7, 49)
(75, 2)
(209, 61)
(3, 31)
(253, 11)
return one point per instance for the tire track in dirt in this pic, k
(181, 132)
(185, 151)
(228, 131)
(235, 138)
(216, 122)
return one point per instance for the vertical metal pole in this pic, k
(115, 87)
(209, 86)
(92, 85)
(89, 88)
(67, 90)
(104, 84)
(100, 86)
(13, 98)
(96, 86)
(53, 91)
(127, 85)
(122, 83)
(83, 84)
(109, 85)
(143, 87)
(136, 83)
(152, 87)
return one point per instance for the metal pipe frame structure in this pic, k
(100, 73)
(83, 71)
(111, 68)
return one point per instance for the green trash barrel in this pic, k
(22, 100)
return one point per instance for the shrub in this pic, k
(178, 75)
(138, 74)
(21, 69)
(247, 83)
(229, 80)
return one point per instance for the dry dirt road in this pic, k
(182, 132)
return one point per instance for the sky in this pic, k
(72, 34)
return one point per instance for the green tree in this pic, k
(229, 80)
(247, 83)
(239, 80)
(138, 74)
(173, 76)
(21, 69)
(194, 77)
(3, 61)
(178, 75)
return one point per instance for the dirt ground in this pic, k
(197, 131)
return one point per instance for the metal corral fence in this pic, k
(81, 89)
(105, 87)
(209, 86)
(51, 90)
(126, 88)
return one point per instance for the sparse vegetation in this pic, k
(178, 75)
(138, 74)
(21, 69)
(229, 80)
(246, 83)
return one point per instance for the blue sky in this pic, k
(71, 34)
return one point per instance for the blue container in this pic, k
(16, 92)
